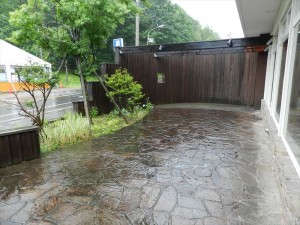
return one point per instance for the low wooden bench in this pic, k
(19, 145)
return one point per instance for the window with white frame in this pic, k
(281, 78)
(297, 11)
(271, 70)
(14, 74)
(272, 78)
(286, 23)
(3, 76)
(293, 125)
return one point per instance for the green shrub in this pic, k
(94, 112)
(126, 92)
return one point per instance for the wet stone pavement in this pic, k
(177, 166)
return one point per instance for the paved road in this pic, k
(59, 102)
(176, 167)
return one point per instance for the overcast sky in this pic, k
(220, 15)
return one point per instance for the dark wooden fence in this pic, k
(19, 145)
(109, 68)
(98, 96)
(210, 72)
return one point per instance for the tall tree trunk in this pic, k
(67, 75)
(84, 91)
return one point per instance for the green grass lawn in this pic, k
(74, 128)
(73, 81)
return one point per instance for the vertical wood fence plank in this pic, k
(5, 152)
(16, 148)
(27, 145)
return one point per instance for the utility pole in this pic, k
(137, 26)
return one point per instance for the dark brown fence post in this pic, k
(103, 69)
(117, 55)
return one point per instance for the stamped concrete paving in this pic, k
(178, 166)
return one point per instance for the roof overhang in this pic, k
(258, 16)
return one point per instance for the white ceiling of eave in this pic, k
(257, 16)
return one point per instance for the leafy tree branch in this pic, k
(38, 82)
(72, 28)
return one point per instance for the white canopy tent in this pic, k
(12, 57)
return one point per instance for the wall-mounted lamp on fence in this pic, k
(229, 43)
(151, 40)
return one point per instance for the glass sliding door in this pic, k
(272, 78)
(293, 127)
(280, 86)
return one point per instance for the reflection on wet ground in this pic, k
(177, 166)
